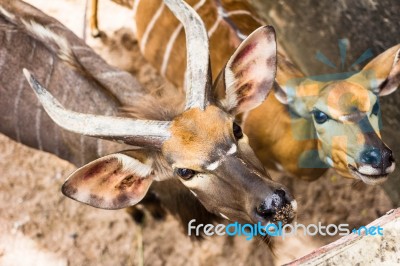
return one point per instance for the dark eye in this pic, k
(237, 131)
(320, 117)
(185, 173)
(375, 109)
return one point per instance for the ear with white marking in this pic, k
(250, 72)
(385, 70)
(114, 181)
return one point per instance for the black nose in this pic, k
(371, 157)
(271, 205)
(377, 158)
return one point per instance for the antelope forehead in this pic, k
(196, 155)
(340, 88)
(211, 121)
(198, 136)
(343, 99)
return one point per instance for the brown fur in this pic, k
(270, 133)
(160, 104)
(191, 132)
(278, 144)
(268, 141)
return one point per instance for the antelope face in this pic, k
(346, 117)
(211, 156)
(202, 146)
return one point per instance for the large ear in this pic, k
(250, 73)
(385, 69)
(114, 181)
(287, 93)
(281, 94)
(297, 88)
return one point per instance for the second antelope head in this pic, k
(345, 115)
(203, 147)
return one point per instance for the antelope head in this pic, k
(345, 115)
(203, 146)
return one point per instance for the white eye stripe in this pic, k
(213, 166)
(200, 181)
(244, 139)
(354, 117)
(232, 150)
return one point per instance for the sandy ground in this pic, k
(39, 226)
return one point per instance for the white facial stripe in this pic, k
(354, 117)
(344, 118)
(232, 150)
(198, 181)
(244, 139)
(329, 161)
(213, 166)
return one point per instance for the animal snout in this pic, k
(377, 158)
(277, 207)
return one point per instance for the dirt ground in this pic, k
(39, 226)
